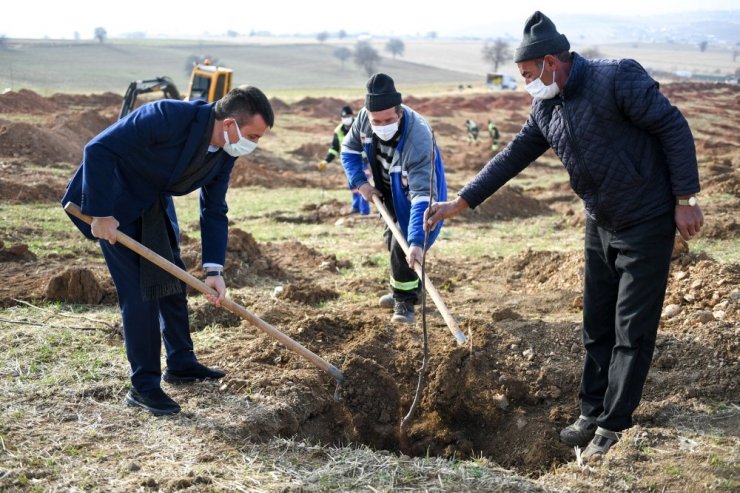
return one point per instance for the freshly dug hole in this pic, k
(370, 401)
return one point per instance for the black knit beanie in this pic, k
(381, 93)
(540, 38)
(346, 111)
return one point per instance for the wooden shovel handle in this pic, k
(228, 304)
(454, 328)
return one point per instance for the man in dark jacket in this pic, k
(128, 176)
(631, 159)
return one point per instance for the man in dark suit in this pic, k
(128, 176)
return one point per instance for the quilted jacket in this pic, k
(628, 151)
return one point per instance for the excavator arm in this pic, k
(137, 87)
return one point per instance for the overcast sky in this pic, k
(62, 18)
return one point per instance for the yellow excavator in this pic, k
(207, 82)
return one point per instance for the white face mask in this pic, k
(538, 89)
(385, 132)
(347, 121)
(242, 147)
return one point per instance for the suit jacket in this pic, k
(133, 163)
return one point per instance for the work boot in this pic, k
(579, 433)
(600, 445)
(386, 301)
(155, 401)
(403, 312)
(196, 373)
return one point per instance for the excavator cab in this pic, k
(208, 82)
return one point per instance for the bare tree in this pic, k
(101, 34)
(395, 46)
(703, 46)
(496, 53)
(591, 53)
(322, 36)
(366, 56)
(343, 53)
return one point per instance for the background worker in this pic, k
(128, 176)
(631, 159)
(473, 131)
(398, 144)
(359, 204)
(494, 134)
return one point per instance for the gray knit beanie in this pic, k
(540, 38)
(381, 93)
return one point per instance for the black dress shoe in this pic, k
(195, 373)
(155, 401)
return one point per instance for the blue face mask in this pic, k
(242, 147)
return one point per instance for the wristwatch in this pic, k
(690, 201)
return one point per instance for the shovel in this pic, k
(228, 304)
(454, 328)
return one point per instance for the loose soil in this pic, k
(507, 392)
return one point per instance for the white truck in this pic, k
(500, 81)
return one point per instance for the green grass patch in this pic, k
(58, 351)
(45, 228)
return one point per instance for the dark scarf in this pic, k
(158, 235)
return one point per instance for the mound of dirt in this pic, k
(296, 258)
(15, 253)
(319, 107)
(75, 285)
(309, 294)
(37, 144)
(310, 150)
(507, 203)
(25, 101)
(244, 260)
(266, 170)
(279, 106)
(722, 177)
(548, 269)
(78, 128)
